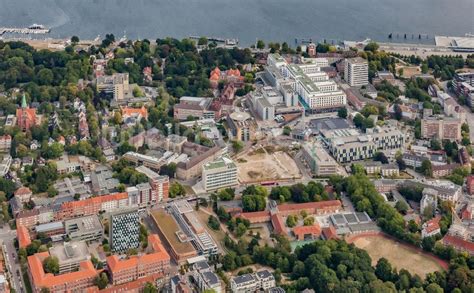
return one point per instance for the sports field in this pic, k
(399, 255)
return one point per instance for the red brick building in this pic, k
(137, 267)
(25, 117)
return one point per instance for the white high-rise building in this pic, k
(356, 71)
(218, 174)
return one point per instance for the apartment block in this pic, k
(220, 173)
(356, 71)
(265, 279)
(205, 278)
(92, 206)
(244, 283)
(390, 170)
(5, 142)
(124, 230)
(261, 280)
(441, 128)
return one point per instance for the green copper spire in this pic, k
(23, 102)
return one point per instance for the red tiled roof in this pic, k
(127, 111)
(304, 230)
(310, 205)
(95, 200)
(329, 233)
(233, 72)
(432, 225)
(254, 216)
(42, 279)
(23, 191)
(23, 236)
(459, 243)
(466, 212)
(134, 286)
(278, 225)
(159, 255)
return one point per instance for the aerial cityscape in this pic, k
(218, 160)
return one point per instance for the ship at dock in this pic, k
(36, 29)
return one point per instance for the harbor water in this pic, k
(246, 20)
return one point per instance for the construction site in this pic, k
(265, 164)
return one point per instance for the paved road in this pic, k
(11, 258)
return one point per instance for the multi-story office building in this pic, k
(192, 228)
(220, 173)
(441, 128)
(144, 160)
(318, 160)
(197, 107)
(348, 145)
(314, 87)
(242, 126)
(116, 84)
(140, 195)
(265, 110)
(306, 81)
(356, 71)
(85, 228)
(124, 230)
(159, 185)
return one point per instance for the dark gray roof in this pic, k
(210, 278)
(276, 290)
(264, 274)
(202, 265)
(175, 280)
(328, 124)
(243, 279)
